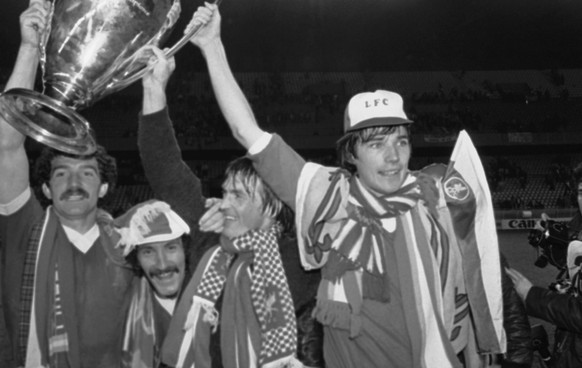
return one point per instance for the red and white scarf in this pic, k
(348, 231)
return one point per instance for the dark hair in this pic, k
(243, 169)
(131, 258)
(578, 174)
(43, 168)
(309, 336)
(346, 145)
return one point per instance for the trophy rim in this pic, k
(81, 144)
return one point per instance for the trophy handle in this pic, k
(137, 75)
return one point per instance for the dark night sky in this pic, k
(352, 35)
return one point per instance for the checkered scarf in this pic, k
(27, 289)
(268, 313)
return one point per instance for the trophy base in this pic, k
(47, 121)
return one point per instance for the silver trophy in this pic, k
(91, 50)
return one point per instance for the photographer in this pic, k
(519, 352)
(561, 304)
(562, 308)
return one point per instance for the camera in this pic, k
(551, 241)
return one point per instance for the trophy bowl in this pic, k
(90, 50)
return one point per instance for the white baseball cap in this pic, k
(148, 222)
(371, 109)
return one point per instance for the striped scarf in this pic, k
(258, 319)
(27, 288)
(354, 236)
(360, 241)
(54, 306)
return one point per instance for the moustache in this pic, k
(74, 192)
(158, 272)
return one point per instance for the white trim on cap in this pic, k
(379, 108)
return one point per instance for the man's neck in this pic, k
(80, 224)
(167, 303)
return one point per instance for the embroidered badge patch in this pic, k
(456, 188)
(273, 313)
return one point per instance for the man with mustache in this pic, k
(154, 241)
(161, 240)
(64, 282)
(396, 289)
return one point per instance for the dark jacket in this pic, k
(564, 311)
(516, 325)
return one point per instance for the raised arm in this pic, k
(277, 163)
(232, 101)
(168, 175)
(13, 159)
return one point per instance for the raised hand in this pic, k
(208, 17)
(521, 283)
(213, 218)
(33, 23)
(160, 68)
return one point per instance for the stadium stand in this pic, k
(501, 109)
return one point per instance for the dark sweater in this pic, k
(172, 180)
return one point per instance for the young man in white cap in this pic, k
(395, 291)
